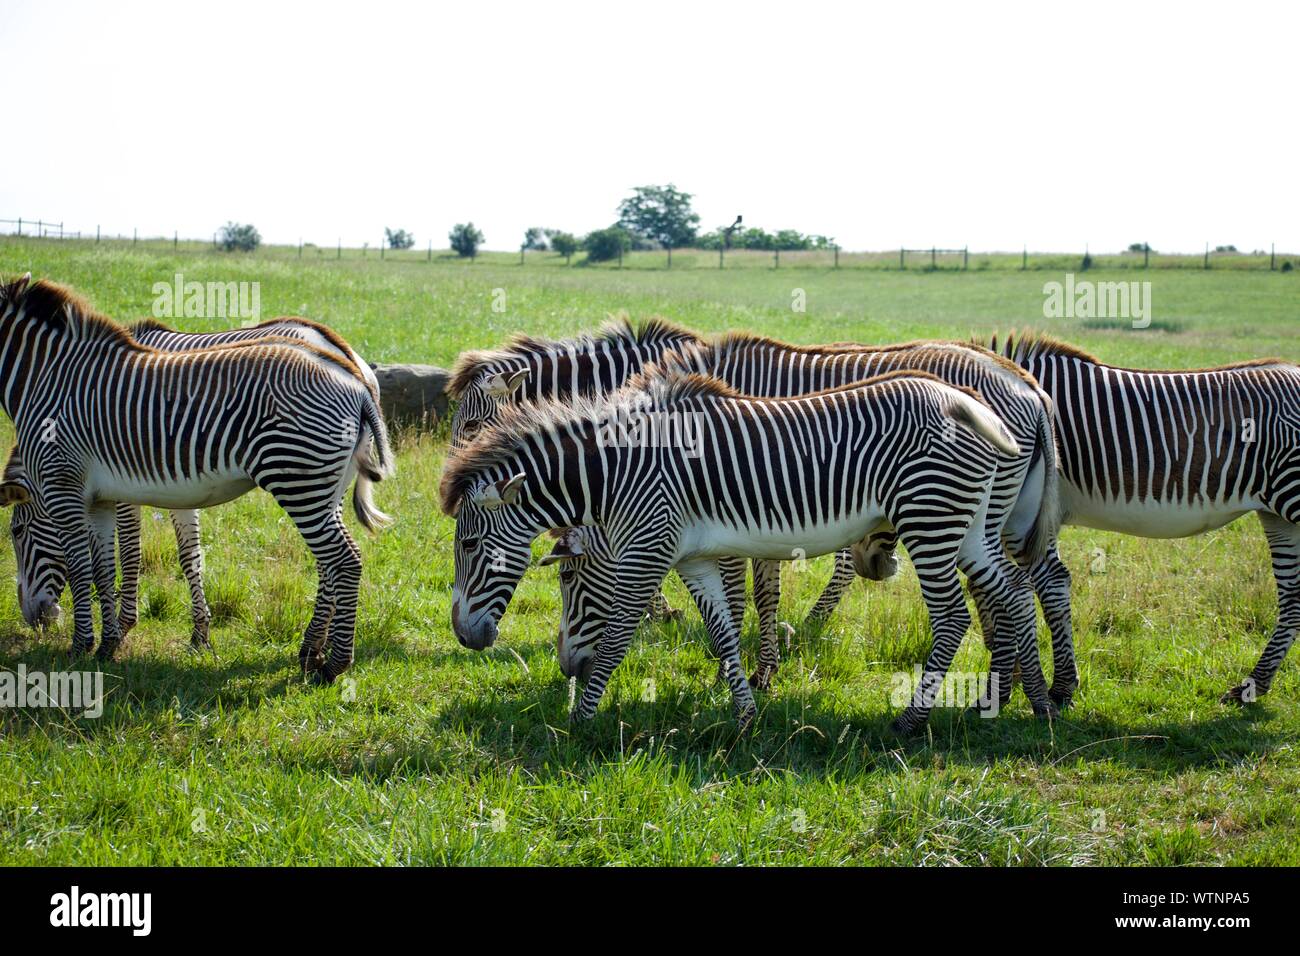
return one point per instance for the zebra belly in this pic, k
(1151, 519)
(714, 539)
(202, 492)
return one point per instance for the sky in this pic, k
(988, 125)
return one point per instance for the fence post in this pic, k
(300, 247)
(40, 229)
(521, 253)
(176, 241)
(340, 252)
(776, 258)
(837, 256)
(1272, 255)
(1024, 258)
(902, 263)
(933, 263)
(381, 248)
(20, 225)
(965, 258)
(429, 256)
(1146, 255)
(96, 232)
(1207, 255)
(135, 234)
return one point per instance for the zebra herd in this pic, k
(972, 457)
(643, 450)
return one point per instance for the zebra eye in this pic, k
(567, 573)
(470, 544)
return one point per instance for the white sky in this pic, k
(930, 123)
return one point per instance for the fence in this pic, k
(932, 259)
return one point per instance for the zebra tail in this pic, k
(1047, 524)
(374, 460)
(981, 419)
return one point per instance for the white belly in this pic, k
(212, 488)
(1149, 519)
(708, 539)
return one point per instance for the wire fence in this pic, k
(905, 259)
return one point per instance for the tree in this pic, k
(534, 238)
(661, 213)
(605, 244)
(240, 237)
(564, 243)
(399, 239)
(465, 239)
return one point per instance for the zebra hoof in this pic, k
(761, 679)
(1046, 710)
(745, 719)
(1242, 694)
(1062, 697)
(106, 651)
(901, 727)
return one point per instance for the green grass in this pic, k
(434, 754)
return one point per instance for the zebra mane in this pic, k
(618, 329)
(60, 309)
(148, 325)
(737, 340)
(1031, 344)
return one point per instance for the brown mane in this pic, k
(58, 307)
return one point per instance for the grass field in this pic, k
(436, 754)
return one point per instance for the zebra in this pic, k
(101, 419)
(483, 383)
(818, 471)
(42, 572)
(1169, 454)
(1023, 508)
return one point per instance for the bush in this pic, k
(401, 239)
(240, 237)
(534, 238)
(564, 243)
(1139, 247)
(465, 239)
(606, 244)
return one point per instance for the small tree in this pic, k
(240, 237)
(399, 239)
(535, 238)
(606, 244)
(564, 243)
(465, 239)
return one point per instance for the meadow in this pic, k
(431, 754)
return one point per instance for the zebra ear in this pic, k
(568, 546)
(503, 492)
(502, 385)
(14, 493)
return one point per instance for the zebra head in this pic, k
(493, 549)
(38, 554)
(480, 402)
(588, 589)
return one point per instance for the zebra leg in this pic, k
(66, 507)
(637, 590)
(732, 570)
(186, 525)
(936, 568)
(661, 610)
(1051, 580)
(829, 600)
(103, 525)
(1284, 547)
(1011, 598)
(767, 596)
(128, 556)
(705, 583)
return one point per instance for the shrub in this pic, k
(399, 239)
(534, 238)
(240, 237)
(465, 239)
(564, 243)
(605, 244)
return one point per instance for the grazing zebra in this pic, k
(101, 419)
(1168, 454)
(42, 572)
(817, 472)
(1022, 510)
